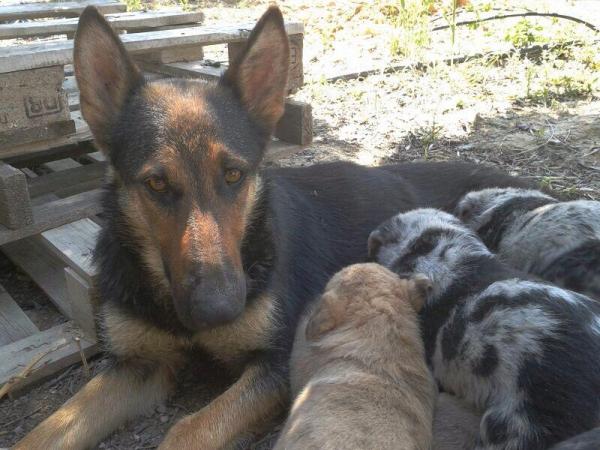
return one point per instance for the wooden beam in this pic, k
(79, 294)
(74, 244)
(55, 181)
(60, 164)
(30, 56)
(58, 342)
(14, 323)
(56, 213)
(57, 9)
(15, 208)
(43, 267)
(132, 22)
(82, 134)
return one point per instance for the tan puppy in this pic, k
(358, 367)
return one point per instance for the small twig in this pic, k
(86, 368)
(28, 369)
(523, 14)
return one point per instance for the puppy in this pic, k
(358, 368)
(526, 353)
(558, 241)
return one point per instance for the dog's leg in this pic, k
(258, 396)
(103, 404)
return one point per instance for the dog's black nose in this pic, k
(213, 299)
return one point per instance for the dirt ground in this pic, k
(537, 117)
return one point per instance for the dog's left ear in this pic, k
(259, 75)
(324, 318)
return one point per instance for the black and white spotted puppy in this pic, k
(527, 354)
(558, 241)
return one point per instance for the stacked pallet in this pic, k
(50, 173)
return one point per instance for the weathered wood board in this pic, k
(56, 213)
(132, 22)
(79, 293)
(58, 341)
(45, 269)
(14, 323)
(11, 12)
(74, 243)
(15, 209)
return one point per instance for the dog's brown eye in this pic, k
(233, 176)
(157, 184)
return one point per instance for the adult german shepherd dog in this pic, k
(204, 249)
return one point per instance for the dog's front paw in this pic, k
(184, 435)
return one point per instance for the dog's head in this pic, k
(184, 156)
(477, 208)
(361, 292)
(424, 241)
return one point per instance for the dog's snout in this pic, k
(211, 298)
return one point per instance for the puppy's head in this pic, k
(361, 292)
(477, 208)
(424, 241)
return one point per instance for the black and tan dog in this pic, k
(202, 248)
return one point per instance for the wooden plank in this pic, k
(15, 209)
(56, 213)
(14, 323)
(296, 124)
(132, 22)
(187, 53)
(74, 244)
(61, 338)
(94, 157)
(22, 136)
(32, 256)
(34, 55)
(55, 181)
(79, 294)
(61, 164)
(57, 9)
(82, 134)
(29, 173)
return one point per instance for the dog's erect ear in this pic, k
(374, 244)
(105, 74)
(259, 75)
(323, 318)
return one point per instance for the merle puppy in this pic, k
(558, 241)
(526, 353)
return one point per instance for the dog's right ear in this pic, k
(421, 288)
(323, 318)
(105, 74)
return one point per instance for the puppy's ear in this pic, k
(464, 210)
(420, 288)
(324, 318)
(259, 75)
(105, 74)
(374, 244)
